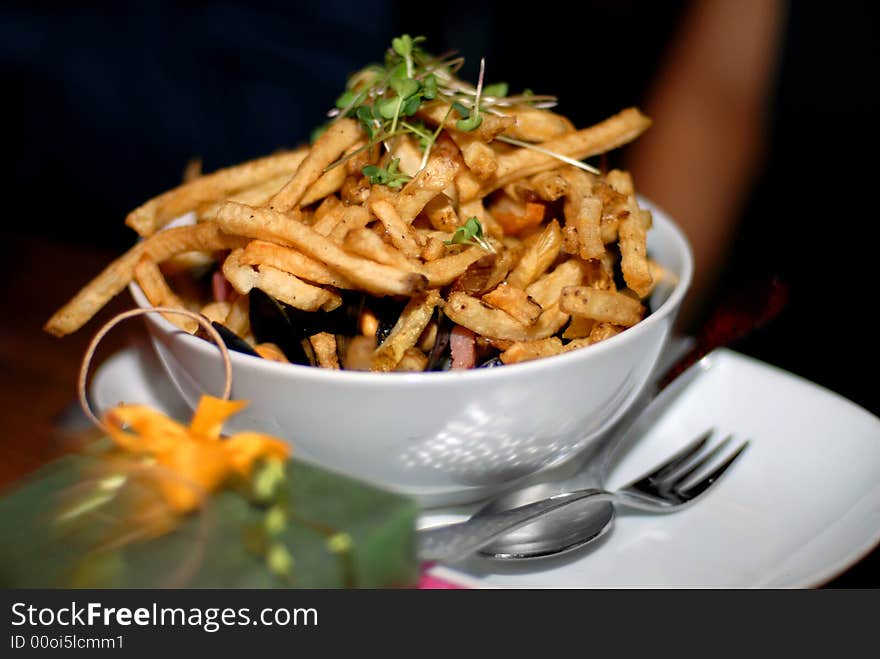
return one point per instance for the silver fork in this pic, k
(668, 487)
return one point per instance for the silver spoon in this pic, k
(570, 528)
(577, 525)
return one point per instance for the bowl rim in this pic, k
(368, 378)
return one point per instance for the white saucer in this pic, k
(801, 506)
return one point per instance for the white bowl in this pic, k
(441, 437)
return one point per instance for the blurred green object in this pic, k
(335, 532)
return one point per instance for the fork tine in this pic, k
(681, 476)
(704, 484)
(676, 460)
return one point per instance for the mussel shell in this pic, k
(270, 323)
(492, 362)
(440, 358)
(232, 340)
(387, 311)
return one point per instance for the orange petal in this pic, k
(211, 413)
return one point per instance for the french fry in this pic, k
(439, 112)
(267, 224)
(151, 216)
(277, 283)
(604, 136)
(523, 351)
(477, 155)
(493, 323)
(216, 311)
(549, 186)
(443, 271)
(602, 306)
(441, 214)
(355, 190)
(547, 290)
(437, 175)
(583, 211)
(324, 345)
(401, 233)
(353, 217)
(116, 276)
(579, 328)
(536, 125)
(515, 223)
(412, 322)
(539, 256)
(413, 360)
(260, 252)
(433, 249)
(621, 182)
(238, 320)
(156, 289)
(515, 302)
(328, 215)
(369, 245)
(328, 147)
(256, 195)
(328, 183)
(271, 352)
(634, 250)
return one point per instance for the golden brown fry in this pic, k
(328, 215)
(401, 233)
(273, 226)
(441, 214)
(238, 320)
(157, 291)
(522, 351)
(116, 276)
(436, 112)
(515, 302)
(621, 182)
(583, 211)
(547, 290)
(604, 136)
(327, 148)
(260, 252)
(353, 217)
(158, 211)
(412, 322)
(539, 256)
(536, 125)
(216, 311)
(355, 190)
(477, 155)
(603, 331)
(549, 186)
(328, 183)
(413, 360)
(579, 328)
(271, 352)
(634, 251)
(602, 306)
(433, 249)
(437, 175)
(493, 323)
(366, 243)
(443, 271)
(324, 345)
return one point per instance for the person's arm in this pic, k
(709, 104)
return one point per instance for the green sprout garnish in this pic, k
(390, 176)
(470, 233)
(385, 98)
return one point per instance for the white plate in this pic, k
(801, 506)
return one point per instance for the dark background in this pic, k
(106, 102)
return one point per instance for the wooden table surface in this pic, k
(39, 372)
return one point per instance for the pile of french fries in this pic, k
(306, 224)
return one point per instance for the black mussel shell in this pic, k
(492, 362)
(440, 358)
(232, 340)
(270, 323)
(387, 311)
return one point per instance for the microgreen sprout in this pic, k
(390, 176)
(473, 120)
(470, 233)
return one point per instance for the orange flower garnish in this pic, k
(194, 459)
